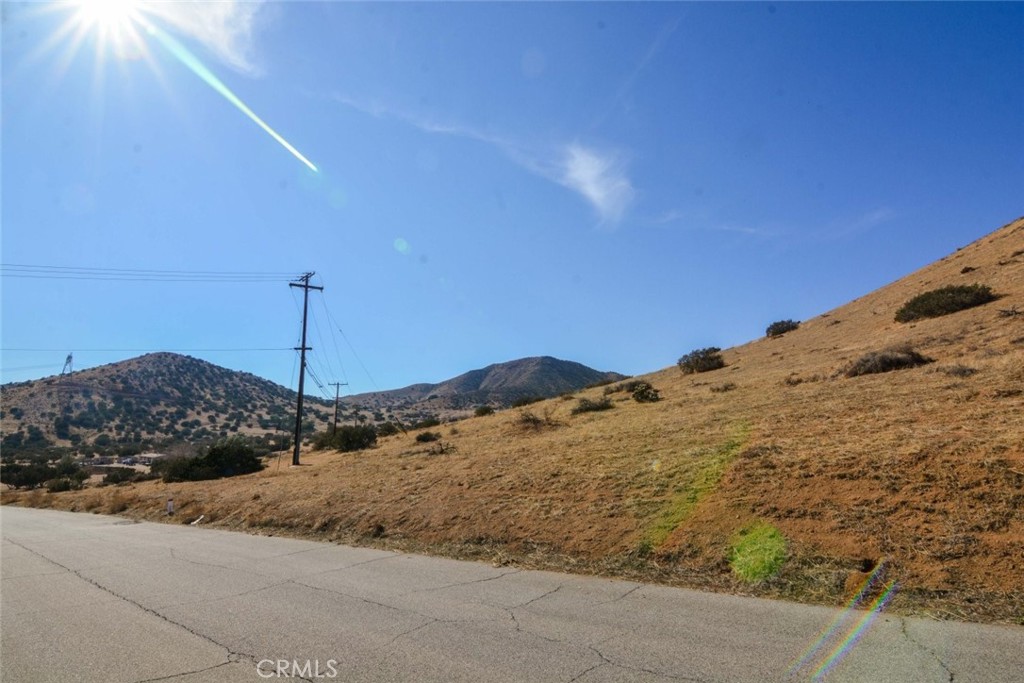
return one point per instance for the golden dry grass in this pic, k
(920, 468)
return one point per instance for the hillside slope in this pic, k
(145, 402)
(916, 473)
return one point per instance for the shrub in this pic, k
(427, 437)
(442, 448)
(526, 400)
(722, 388)
(645, 393)
(587, 406)
(943, 301)
(531, 420)
(424, 424)
(387, 429)
(483, 410)
(958, 370)
(896, 358)
(346, 438)
(781, 327)
(62, 484)
(226, 458)
(26, 476)
(119, 475)
(630, 386)
(701, 360)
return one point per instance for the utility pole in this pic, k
(337, 391)
(304, 283)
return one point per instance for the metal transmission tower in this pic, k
(337, 392)
(64, 391)
(304, 283)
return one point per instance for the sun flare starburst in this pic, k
(107, 14)
(124, 29)
(114, 24)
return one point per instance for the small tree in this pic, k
(781, 327)
(227, 458)
(481, 411)
(701, 360)
(232, 456)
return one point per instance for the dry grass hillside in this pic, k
(918, 473)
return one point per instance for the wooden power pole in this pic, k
(337, 392)
(304, 283)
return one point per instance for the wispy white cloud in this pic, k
(849, 227)
(600, 178)
(597, 176)
(227, 28)
(703, 220)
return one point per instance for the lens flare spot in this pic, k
(310, 180)
(401, 246)
(337, 198)
(533, 63)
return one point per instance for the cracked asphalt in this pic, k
(98, 598)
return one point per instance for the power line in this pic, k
(334, 339)
(161, 350)
(351, 348)
(17, 270)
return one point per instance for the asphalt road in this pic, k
(97, 598)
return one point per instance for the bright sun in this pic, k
(114, 23)
(107, 15)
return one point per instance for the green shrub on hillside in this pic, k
(119, 475)
(781, 327)
(701, 360)
(227, 458)
(346, 438)
(587, 406)
(427, 437)
(897, 358)
(387, 429)
(643, 392)
(481, 411)
(943, 301)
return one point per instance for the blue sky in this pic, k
(614, 184)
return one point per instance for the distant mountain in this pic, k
(158, 399)
(498, 386)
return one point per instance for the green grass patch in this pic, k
(704, 481)
(757, 553)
